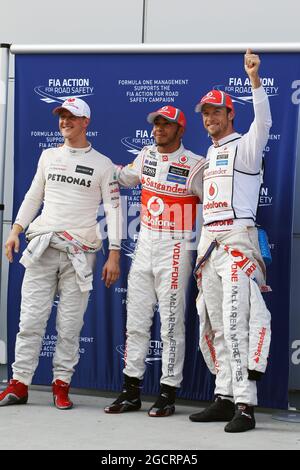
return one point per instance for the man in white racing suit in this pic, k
(70, 181)
(171, 179)
(234, 320)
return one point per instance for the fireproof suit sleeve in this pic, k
(130, 175)
(252, 144)
(196, 183)
(111, 202)
(33, 198)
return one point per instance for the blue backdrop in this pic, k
(121, 90)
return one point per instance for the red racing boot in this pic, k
(16, 393)
(60, 395)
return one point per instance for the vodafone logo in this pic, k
(183, 159)
(212, 191)
(237, 254)
(155, 206)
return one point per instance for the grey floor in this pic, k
(39, 425)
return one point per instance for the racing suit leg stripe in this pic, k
(141, 300)
(260, 331)
(171, 289)
(236, 313)
(212, 293)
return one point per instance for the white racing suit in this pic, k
(162, 264)
(61, 254)
(234, 321)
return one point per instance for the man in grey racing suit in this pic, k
(71, 180)
(234, 320)
(171, 179)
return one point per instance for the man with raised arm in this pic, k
(234, 320)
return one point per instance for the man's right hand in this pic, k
(13, 243)
(252, 63)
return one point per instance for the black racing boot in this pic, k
(243, 419)
(220, 410)
(165, 403)
(129, 399)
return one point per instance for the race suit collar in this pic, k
(173, 154)
(227, 139)
(78, 151)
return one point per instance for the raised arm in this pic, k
(255, 140)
